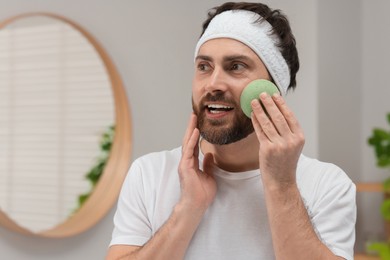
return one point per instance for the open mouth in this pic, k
(217, 108)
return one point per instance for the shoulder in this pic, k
(314, 169)
(330, 198)
(317, 179)
(154, 166)
(159, 159)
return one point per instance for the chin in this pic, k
(226, 136)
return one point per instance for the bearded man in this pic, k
(238, 187)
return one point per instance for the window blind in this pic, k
(55, 103)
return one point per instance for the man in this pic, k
(238, 188)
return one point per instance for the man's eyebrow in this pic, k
(203, 57)
(237, 57)
(226, 58)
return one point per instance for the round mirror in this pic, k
(64, 127)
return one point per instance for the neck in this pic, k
(240, 156)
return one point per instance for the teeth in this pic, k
(216, 106)
(214, 111)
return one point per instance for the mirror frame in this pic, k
(106, 191)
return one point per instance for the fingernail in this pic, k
(255, 103)
(264, 95)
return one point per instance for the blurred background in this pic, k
(341, 92)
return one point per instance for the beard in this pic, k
(222, 131)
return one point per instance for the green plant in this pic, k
(94, 174)
(380, 141)
(382, 248)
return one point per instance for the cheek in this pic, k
(238, 90)
(196, 89)
(238, 84)
(195, 98)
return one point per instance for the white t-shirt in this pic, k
(236, 224)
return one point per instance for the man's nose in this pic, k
(217, 81)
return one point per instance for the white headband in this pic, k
(240, 25)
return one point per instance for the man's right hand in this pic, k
(198, 188)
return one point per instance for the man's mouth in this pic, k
(218, 108)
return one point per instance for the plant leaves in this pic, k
(94, 174)
(381, 133)
(386, 185)
(388, 118)
(380, 140)
(383, 161)
(385, 209)
(83, 198)
(382, 248)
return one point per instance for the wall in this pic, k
(374, 104)
(340, 89)
(340, 76)
(353, 96)
(152, 46)
(375, 82)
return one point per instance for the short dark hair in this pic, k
(280, 25)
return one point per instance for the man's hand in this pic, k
(198, 188)
(281, 140)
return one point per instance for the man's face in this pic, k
(223, 68)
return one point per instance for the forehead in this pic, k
(226, 47)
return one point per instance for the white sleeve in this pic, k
(131, 223)
(334, 216)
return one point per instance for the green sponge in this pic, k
(253, 90)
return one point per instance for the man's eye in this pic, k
(203, 67)
(237, 66)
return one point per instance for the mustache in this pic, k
(219, 96)
(199, 107)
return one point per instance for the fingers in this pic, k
(289, 116)
(280, 120)
(262, 123)
(190, 149)
(261, 136)
(275, 114)
(190, 145)
(190, 128)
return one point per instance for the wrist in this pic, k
(283, 183)
(285, 191)
(186, 218)
(186, 209)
